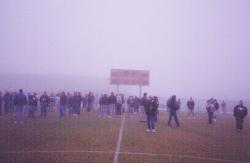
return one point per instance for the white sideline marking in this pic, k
(126, 153)
(54, 151)
(118, 145)
(179, 156)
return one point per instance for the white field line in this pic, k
(179, 156)
(55, 151)
(118, 145)
(125, 153)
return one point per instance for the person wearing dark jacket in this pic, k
(44, 101)
(150, 110)
(7, 102)
(84, 102)
(79, 102)
(173, 106)
(104, 105)
(63, 104)
(240, 112)
(75, 104)
(155, 98)
(20, 101)
(90, 101)
(33, 104)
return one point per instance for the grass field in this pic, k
(88, 138)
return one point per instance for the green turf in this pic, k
(194, 141)
(194, 138)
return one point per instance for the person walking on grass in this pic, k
(150, 110)
(240, 112)
(19, 101)
(173, 106)
(190, 105)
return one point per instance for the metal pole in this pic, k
(117, 87)
(140, 87)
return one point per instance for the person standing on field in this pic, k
(240, 112)
(143, 105)
(118, 105)
(90, 101)
(210, 110)
(223, 107)
(33, 103)
(44, 101)
(20, 101)
(112, 104)
(7, 102)
(63, 104)
(156, 105)
(150, 110)
(190, 105)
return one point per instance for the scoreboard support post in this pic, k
(117, 89)
(140, 88)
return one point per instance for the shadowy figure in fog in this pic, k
(173, 106)
(190, 105)
(240, 112)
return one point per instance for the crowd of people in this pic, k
(109, 105)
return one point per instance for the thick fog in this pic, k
(196, 48)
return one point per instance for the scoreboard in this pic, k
(129, 77)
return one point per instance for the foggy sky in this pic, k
(194, 48)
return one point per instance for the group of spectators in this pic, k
(18, 101)
(240, 111)
(110, 105)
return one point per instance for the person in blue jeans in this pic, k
(173, 106)
(20, 101)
